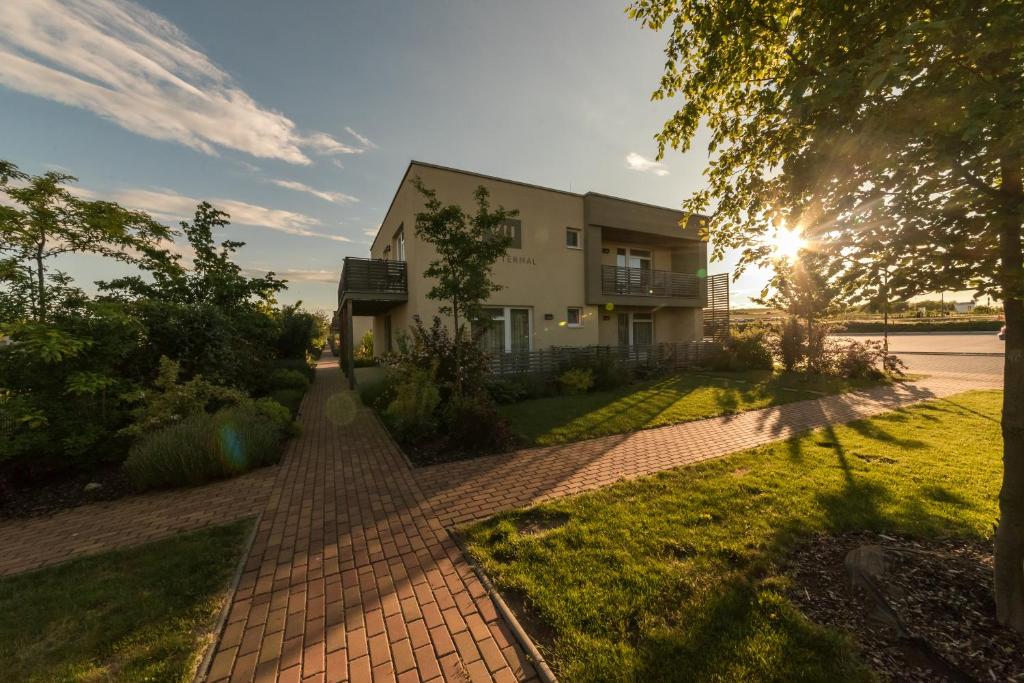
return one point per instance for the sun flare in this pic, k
(787, 243)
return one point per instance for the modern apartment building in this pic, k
(582, 270)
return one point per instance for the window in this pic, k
(636, 329)
(508, 330)
(574, 316)
(572, 238)
(400, 243)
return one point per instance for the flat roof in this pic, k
(427, 164)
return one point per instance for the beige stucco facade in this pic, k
(544, 275)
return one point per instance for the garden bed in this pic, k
(48, 497)
(942, 623)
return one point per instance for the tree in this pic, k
(843, 119)
(467, 247)
(47, 220)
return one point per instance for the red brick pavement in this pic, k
(36, 542)
(473, 489)
(351, 575)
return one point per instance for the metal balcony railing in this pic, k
(619, 280)
(369, 276)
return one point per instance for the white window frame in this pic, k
(579, 238)
(579, 318)
(506, 317)
(398, 240)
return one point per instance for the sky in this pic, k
(299, 118)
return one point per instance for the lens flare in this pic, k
(786, 243)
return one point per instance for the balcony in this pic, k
(644, 282)
(372, 285)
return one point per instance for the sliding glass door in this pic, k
(508, 330)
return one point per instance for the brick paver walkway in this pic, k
(473, 489)
(41, 541)
(351, 575)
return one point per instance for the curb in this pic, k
(981, 354)
(543, 670)
(218, 630)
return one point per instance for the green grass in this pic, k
(677, 576)
(654, 403)
(141, 614)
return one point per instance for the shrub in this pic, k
(434, 349)
(176, 455)
(609, 374)
(519, 388)
(205, 447)
(272, 410)
(297, 364)
(862, 360)
(473, 424)
(789, 342)
(576, 380)
(746, 349)
(244, 439)
(172, 401)
(289, 398)
(287, 379)
(379, 394)
(411, 413)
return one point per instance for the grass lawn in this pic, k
(654, 403)
(676, 576)
(141, 614)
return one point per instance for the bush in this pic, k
(177, 455)
(862, 360)
(576, 381)
(411, 414)
(789, 343)
(287, 379)
(521, 388)
(289, 398)
(473, 424)
(171, 401)
(204, 447)
(297, 364)
(745, 349)
(378, 395)
(274, 411)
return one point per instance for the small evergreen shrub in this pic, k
(272, 410)
(411, 413)
(287, 379)
(474, 425)
(289, 398)
(378, 394)
(296, 364)
(576, 381)
(244, 439)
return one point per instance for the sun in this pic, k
(786, 243)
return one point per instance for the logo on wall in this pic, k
(512, 228)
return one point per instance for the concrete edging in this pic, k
(203, 670)
(543, 670)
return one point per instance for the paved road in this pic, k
(984, 342)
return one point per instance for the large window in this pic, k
(507, 330)
(636, 329)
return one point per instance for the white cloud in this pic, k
(170, 206)
(337, 162)
(335, 197)
(363, 140)
(135, 68)
(296, 275)
(638, 162)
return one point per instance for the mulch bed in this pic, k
(941, 592)
(53, 496)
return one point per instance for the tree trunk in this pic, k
(1009, 544)
(41, 285)
(458, 349)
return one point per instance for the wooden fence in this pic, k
(551, 361)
